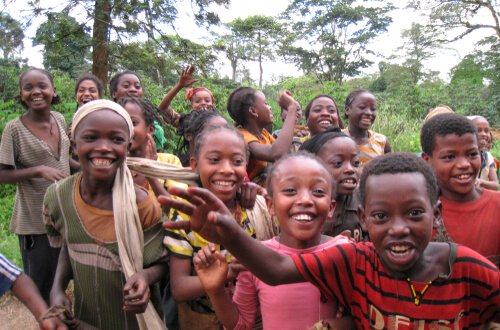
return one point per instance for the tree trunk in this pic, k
(260, 60)
(234, 63)
(100, 39)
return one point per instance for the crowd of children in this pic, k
(357, 222)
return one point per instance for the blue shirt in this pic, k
(8, 274)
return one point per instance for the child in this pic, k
(322, 113)
(220, 158)
(395, 281)
(296, 306)
(341, 154)
(200, 98)
(190, 125)
(34, 152)
(470, 214)
(249, 110)
(109, 229)
(487, 175)
(88, 88)
(360, 109)
(23, 288)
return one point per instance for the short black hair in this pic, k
(309, 106)
(353, 95)
(91, 77)
(113, 83)
(149, 111)
(55, 99)
(239, 102)
(314, 144)
(441, 125)
(395, 163)
(199, 141)
(301, 154)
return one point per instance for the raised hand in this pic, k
(186, 77)
(211, 267)
(285, 99)
(208, 214)
(248, 193)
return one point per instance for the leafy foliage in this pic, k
(11, 35)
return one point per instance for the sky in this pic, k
(384, 46)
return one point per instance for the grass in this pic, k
(9, 245)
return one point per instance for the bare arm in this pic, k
(63, 275)
(492, 182)
(184, 286)
(10, 175)
(387, 147)
(281, 145)
(212, 220)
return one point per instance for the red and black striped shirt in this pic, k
(466, 298)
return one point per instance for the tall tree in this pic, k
(66, 43)
(337, 34)
(128, 18)
(235, 49)
(463, 15)
(262, 33)
(11, 35)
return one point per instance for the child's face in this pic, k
(323, 115)
(284, 112)
(87, 91)
(221, 164)
(399, 218)
(101, 141)
(455, 161)
(362, 111)
(202, 100)
(128, 85)
(262, 109)
(483, 132)
(301, 201)
(37, 91)
(141, 128)
(342, 156)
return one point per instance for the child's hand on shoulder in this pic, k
(285, 99)
(136, 293)
(208, 214)
(211, 267)
(186, 77)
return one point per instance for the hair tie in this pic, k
(191, 91)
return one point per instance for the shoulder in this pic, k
(247, 136)
(377, 136)
(12, 126)
(141, 194)
(469, 262)
(62, 185)
(58, 116)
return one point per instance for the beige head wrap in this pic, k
(440, 109)
(128, 226)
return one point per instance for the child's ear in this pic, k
(426, 157)
(437, 214)
(193, 163)
(151, 129)
(333, 204)
(362, 217)
(252, 112)
(270, 206)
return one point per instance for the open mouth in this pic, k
(325, 123)
(101, 162)
(224, 184)
(464, 178)
(302, 218)
(400, 250)
(349, 183)
(37, 100)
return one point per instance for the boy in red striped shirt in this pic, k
(399, 280)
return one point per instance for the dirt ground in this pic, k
(14, 315)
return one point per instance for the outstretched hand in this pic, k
(211, 267)
(186, 76)
(208, 214)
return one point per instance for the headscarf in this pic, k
(128, 227)
(440, 109)
(191, 91)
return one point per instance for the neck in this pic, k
(295, 243)
(357, 132)
(92, 189)
(139, 152)
(471, 196)
(254, 128)
(39, 115)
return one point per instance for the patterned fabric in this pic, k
(21, 149)
(256, 167)
(465, 298)
(8, 274)
(96, 267)
(486, 164)
(372, 148)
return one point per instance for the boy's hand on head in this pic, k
(285, 99)
(50, 173)
(208, 214)
(136, 294)
(186, 77)
(211, 267)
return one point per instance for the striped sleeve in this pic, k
(7, 156)
(178, 241)
(8, 274)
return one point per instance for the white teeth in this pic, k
(224, 183)
(101, 161)
(302, 217)
(400, 250)
(325, 122)
(463, 176)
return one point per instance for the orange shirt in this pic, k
(255, 166)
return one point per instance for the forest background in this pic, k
(328, 42)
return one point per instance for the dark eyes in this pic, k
(415, 213)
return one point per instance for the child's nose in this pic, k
(305, 197)
(463, 162)
(399, 227)
(348, 168)
(226, 167)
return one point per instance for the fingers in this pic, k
(136, 295)
(176, 204)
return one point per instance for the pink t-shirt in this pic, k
(287, 306)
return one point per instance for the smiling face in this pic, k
(87, 91)
(202, 100)
(342, 156)
(221, 163)
(483, 132)
(101, 141)
(456, 161)
(37, 91)
(262, 110)
(141, 128)
(362, 111)
(128, 85)
(301, 200)
(399, 220)
(323, 115)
